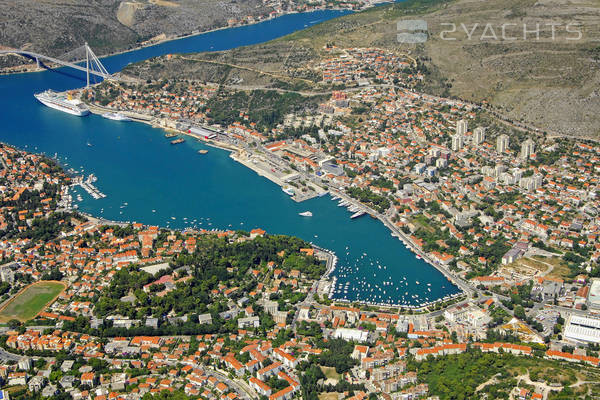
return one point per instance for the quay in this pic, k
(272, 168)
(265, 169)
(89, 187)
(462, 285)
(137, 117)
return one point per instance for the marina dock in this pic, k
(89, 187)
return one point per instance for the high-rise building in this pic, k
(527, 148)
(461, 127)
(479, 135)
(457, 142)
(532, 182)
(502, 143)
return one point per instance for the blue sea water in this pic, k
(149, 180)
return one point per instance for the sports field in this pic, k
(31, 300)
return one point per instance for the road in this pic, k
(243, 390)
(5, 356)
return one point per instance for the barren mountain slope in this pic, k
(551, 83)
(56, 26)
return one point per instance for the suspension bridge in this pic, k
(73, 59)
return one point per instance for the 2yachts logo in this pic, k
(416, 31)
(508, 32)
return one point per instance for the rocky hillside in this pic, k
(549, 81)
(57, 26)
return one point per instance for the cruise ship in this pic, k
(62, 103)
(116, 117)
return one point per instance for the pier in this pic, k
(347, 201)
(89, 187)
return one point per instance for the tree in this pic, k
(520, 312)
(14, 323)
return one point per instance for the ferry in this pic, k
(288, 190)
(306, 214)
(177, 141)
(63, 103)
(116, 117)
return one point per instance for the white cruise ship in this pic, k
(116, 117)
(62, 103)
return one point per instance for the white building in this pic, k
(532, 183)
(502, 143)
(593, 300)
(441, 163)
(582, 329)
(461, 127)
(353, 335)
(248, 322)
(457, 142)
(479, 135)
(527, 148)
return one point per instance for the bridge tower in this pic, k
(91, 61)
(87, 65)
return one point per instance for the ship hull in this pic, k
(68, 110)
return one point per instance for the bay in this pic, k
(148, 180)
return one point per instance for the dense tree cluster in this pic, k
(378, 202)
(215, 261)
(337, 354)
(266, 107)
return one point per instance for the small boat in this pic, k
(177, 141)
(170, 135)
(306, 214)
(202, 151)
(89, 144)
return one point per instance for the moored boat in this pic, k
(65, 103)
(116, 117)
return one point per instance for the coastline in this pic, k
(186, 36)
(463, 287)
(235, 155)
